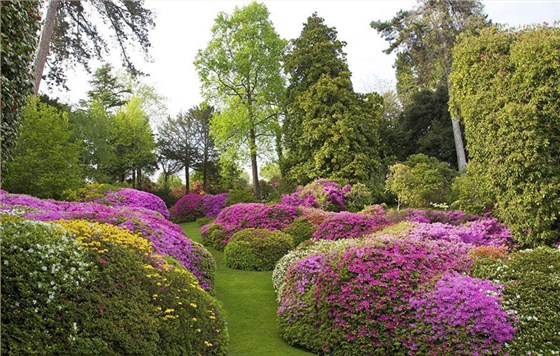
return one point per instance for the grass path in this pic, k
(250, 304)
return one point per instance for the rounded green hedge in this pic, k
(300, 230)
(532, 287)
(257, 249)
(215, 236)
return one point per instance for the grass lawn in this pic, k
(250, 304)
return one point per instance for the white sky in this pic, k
(183, 27)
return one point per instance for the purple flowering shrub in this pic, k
(193, 206)
(322, 194)
(460, 316)
(127, 197)
(348, 225)
(166, 237)
(271, 217)
(431, 216)
(355, 300)
(233, 217)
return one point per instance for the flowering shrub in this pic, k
(431, 216)
(348, 225)
(256, 249)
(531, 281)
(321, 194)
(166, 237)
(271, 217)
(188, 208)
(300, 230)
(460, 316)
(233, 217)
(354, 300)
(127, 197)
(213, 204)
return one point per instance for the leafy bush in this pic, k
(354, 300)
(204, 221)
(532, 286)
(467, 195)
(357, 198)
(300, 230)
(237, 196)
(348, 225)
(215, 236)
(460, 316)
(322, 194)
(421, 180)
(89, 192)
(256, 249)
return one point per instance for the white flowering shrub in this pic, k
(41, 267)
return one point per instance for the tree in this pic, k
(133, 143)
(330, 131)
(107, 89)
(423, 39)
(70, 36)
(240, 71)
(46, 160)
(505, 86)
(19, 23)
(207, 152)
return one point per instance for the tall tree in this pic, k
(423, 39)
(70, 35)
(315, 52)
(207, 152)
(46, 159)
(107, 89)
(331, 132)
(240, 71)
(19, 24)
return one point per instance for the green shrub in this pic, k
(257, 249)
(94, 191)
(532, 287)
(467, 195)
(300, 230)
(215, 236)
(358, 197)
(204, 221)
(240, 196)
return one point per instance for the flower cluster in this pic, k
(432, 216)
(348, 225)
(461, 316)
(127, 197)
(193, 206)
(271, 217)
(354, 300)
(166, 237)
(322, 194)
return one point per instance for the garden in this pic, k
(289, 213)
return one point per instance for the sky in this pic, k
(184, 26)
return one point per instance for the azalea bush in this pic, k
(531, 281)
(322, 194)
(355, 300)
(98, 281)
(460, 316)
(348, 225)
(193, 206)
(256, 249)
(271, 217)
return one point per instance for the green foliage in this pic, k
(256, 249)
(421, 180)
(532, 285)
(88, 192)
(330, 131)
(19, 23)
(204, 221)
(107, 89)
(357, 198)
(215, 236)
(240, 195)
(300, 230)
(504, 85)
(46, 161)
(467, 195)
(240, 71)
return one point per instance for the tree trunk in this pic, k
(44, 43)
(139, 179)
(133, 178)
(187, 178)
(205, 170)
(459, 146)
(254, 167)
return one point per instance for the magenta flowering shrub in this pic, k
(460, 316)
(271, 217)
(166, 237)
(213, 204)
(348, 225)
(188, 208)
(432, 216)
(127, 197)
(233, 217)
(322, 194)
(355, 300)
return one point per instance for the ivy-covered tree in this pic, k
(70, 35)
(505, 87)
(19, 24)
(46, 159)
(330, 131)
(423, 39)
(240, 71)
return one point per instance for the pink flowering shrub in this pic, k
(193, 206)
(460, 316)
(271, 217)
(127, 197)
(348, 225)
(431, 216)
(355, 300)
(166, 237)
(233, 217)
(322, 194)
